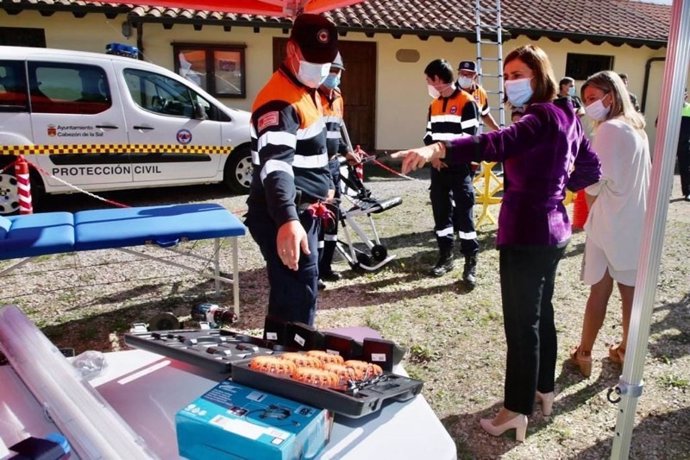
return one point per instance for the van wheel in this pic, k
(9, 195)
(237, 175)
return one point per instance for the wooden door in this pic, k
(358, 87)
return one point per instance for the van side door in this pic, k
(78, 125)
(179, 134)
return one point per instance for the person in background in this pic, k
(333, 110)
(290, 179)
(617, 205)
(684, 148)
(544, 153)
(633, 97)
(452, 114)
(467, 80)
(566, 90)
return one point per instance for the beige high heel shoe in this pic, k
(617, 354)
(583, 360)
(519, 423)
(546, 400)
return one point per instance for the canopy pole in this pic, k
(675, 77)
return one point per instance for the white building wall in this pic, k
(401, 95)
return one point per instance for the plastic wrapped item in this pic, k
(90, 364)
(92, 427)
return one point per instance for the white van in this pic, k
(107, 122)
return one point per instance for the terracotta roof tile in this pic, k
(616, 21)
(598, 18)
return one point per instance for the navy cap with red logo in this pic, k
(467, 65)
(316, 37)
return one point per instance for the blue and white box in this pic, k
(233, 421)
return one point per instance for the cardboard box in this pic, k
(233, 421)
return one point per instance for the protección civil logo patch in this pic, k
(184, 136)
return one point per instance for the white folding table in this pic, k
(147, 390)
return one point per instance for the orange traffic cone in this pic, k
(21, 172)
(580, 211)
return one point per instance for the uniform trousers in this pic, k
(527, 283)
(293, 294)
(452, 202)
(329, 236)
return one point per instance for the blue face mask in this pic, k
(519, 91)
(571, 91)
(332, 81)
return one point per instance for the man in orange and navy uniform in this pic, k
(291, 178)
(452, 114)
(467, 80)
(333, 111)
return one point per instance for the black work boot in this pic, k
(470, 271)
(330, 275)
(444, 265)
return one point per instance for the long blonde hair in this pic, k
(609, 82)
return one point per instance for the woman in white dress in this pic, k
(617, 207)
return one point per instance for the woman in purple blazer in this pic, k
(543, 153)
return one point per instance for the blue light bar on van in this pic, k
(121, 49)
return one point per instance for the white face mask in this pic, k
(465, 82)
(433, 92)
(597, 111)
(312, 75)
(519, 91)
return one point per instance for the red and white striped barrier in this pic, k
(21, 171)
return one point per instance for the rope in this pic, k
(366, 158)
(392, 171)
(43, 172)
(74, 187)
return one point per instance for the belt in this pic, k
(303, 200)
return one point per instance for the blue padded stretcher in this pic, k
(27, 236)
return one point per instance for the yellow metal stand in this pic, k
(488, 185)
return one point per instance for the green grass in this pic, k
(674, 381)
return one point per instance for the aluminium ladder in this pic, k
(489, 37)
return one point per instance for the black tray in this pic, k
(364, 401)
(214, 349)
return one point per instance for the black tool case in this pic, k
(213, 349)
(230, 353)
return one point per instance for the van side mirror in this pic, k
(200, 112)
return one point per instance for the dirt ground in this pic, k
(453, 338)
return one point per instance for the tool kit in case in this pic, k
(357, 400)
